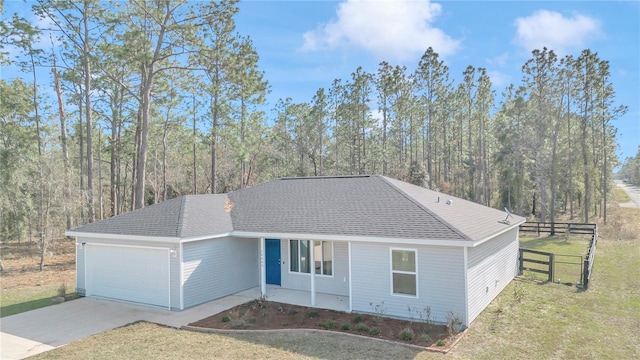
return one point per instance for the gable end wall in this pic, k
(492, 266)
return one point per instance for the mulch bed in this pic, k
(267, 315)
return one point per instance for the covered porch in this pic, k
(299, 297)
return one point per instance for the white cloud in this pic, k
(500, 60)
(551, 29)
(499, 80)
(393, 30)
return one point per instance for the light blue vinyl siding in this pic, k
(337, 284)
(174, 277)
(492, 265)
(440, 280)
(219, 267)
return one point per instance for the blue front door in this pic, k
(272, 261)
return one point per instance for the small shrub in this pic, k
(330, 324)
(424, 338)
(357, 319)
(374, 331)
(440, 342)
(62, 290)
(312, 314)
(345, 326)
(285, 324)
(453, 323)
(406, 334)
(327, 325)
(379, 310)
(518, 292)
(361, 327)
(225, 319)
(237, 323)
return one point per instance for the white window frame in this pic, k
(391, 272)
(311, 266)
(333, 268)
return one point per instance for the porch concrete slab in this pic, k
(30, 333)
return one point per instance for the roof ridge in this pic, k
(321, 177)
(424, 208)
(183, 200)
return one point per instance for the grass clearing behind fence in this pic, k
(569, 251)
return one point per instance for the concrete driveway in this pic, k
(26, 334)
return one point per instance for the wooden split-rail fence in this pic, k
(544, 262)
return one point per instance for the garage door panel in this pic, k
(138, 274)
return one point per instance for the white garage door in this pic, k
(138, 274)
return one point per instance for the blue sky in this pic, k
(305, 45)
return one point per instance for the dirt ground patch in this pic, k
(267, 315)
(21, 264)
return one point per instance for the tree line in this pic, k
(155, 99)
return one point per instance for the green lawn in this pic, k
(569, 254)
(620, 195)
(19, 300)
(529, 320)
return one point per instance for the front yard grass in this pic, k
(17, 300)
(528, 320)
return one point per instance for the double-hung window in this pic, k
(300, 256)
(323, 257)
(404, 275)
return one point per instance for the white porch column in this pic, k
(313, 272)
(350, 290)
(263, 268)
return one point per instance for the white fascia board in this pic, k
(456, 243)
(499, 233)
(205, 237)
(160, 239)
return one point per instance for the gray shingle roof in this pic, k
(355, 206)
(190, 215)
(474, 220)
(363, 206)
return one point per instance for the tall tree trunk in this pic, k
(41, 216)
(141, 161)
(63, 143)
(214, 145)
(195, 139)
(100, 199)
(87, 113)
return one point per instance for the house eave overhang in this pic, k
(285, 235)
(161, 239)
(509, 228)
(88, 235)
(336, 237)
